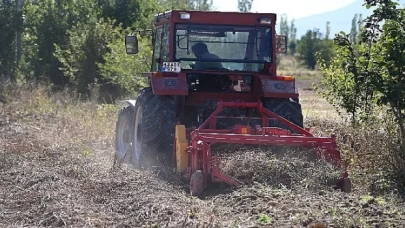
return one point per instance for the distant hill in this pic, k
(340, 19)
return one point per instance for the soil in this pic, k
(47, 179)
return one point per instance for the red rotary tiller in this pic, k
(193, 151)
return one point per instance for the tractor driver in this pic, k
(200, 51)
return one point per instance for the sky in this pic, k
(301, 8)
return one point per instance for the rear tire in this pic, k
(286, 108)
(124, 135)
(154, 123)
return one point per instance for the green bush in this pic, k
(123, 70)
(96, 55)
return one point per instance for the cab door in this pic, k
(161, 47)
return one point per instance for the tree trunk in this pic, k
(401, 127)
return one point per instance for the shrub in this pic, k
(96, 56)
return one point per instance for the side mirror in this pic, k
(281, 43)
(131, 44)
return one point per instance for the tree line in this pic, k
(313, 41)
(79, 43)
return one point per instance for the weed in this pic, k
(264, 219)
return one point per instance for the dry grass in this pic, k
(55, 171)
(369, 148)
(290, 168)
(313, 106)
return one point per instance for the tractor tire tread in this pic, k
(128, 113)
(286, 108)
(158, 121)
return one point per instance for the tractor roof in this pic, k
(217, 17)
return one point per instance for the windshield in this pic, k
(219, 47)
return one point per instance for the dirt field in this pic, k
(56, 171)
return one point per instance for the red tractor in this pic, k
(214, 80)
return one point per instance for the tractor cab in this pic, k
(214, 52)
(213, 41)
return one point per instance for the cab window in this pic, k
(161, 46)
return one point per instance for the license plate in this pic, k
(171, 67)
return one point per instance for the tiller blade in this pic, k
(203, 167)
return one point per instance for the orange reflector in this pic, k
(285, 78)
(244, 130)
(157, 74)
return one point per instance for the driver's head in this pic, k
(199, 49)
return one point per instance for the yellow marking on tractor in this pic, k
(181, 148)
